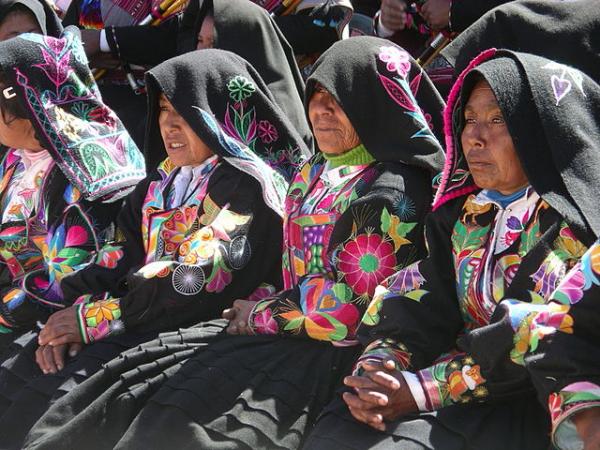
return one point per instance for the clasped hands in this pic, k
(380, 394)
(59, 336)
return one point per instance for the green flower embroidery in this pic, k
(240, 88)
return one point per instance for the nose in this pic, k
(171, 121)
(474, 136)
(321, 104)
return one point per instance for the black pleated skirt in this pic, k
(26, 393)
(199, 389)
(521, 424)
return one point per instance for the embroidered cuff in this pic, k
(564, 405)
(456, 379)
(99, 319)
(380, 29)
(261, 319)
(417, 391)
(381, 350)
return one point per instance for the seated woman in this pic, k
(199, 232)
(512, 215)
(27, 16)
(67, 165)
(354, 215)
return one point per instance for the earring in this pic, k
(9, 93)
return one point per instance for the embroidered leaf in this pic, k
(404, 228)
(342, 292)
(416, 295)
(294, 324)
(340, 331)
(385, 220)
(397, 93)
(414, 84)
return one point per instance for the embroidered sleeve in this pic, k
(70, 245)
(373, 241)
(229, 257)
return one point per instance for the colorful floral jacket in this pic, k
(60, 236)
(432, 317)
(559, 345)
(177, 266)
(346, 230)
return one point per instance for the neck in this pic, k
(359, 155)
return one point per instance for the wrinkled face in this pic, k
(183, 145)
(488, 146)
(16, 23)
(332, 128)
(206, 35)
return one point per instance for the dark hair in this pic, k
(12, 108)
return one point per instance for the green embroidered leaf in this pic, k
(340, 331)
(294, 324)
(416, 295)
(405, 227)
(342, 292)
(537, 299)
(577, 397)
(386, 220)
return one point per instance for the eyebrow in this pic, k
(490, 106)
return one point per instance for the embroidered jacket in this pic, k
(429, 317)
(346, 229)
(175, 266)
(60, 235)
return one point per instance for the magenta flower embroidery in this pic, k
(366, 261)
(264, 323)
(396, 60)
(267, 132)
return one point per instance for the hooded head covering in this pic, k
(41, 10)
(551, 111)
(51, 80)
(388, 98)
(566, 31)
(247, 30)
(228, 105)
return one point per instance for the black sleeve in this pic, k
(144, 45)
(114, 260)
(228, 258)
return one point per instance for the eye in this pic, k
(498, 119)
(469, 120)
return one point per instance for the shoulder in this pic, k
(392, 181)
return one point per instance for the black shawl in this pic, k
(388, 98)
(551, 111)
(43, 13)
(51, 79)
(241, 27)
(228, 105)
(567, 32)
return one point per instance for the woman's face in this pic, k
(487, 144)
(16, 23)
(183, 145)
(332, 128)
(18, 133)
(206, 35)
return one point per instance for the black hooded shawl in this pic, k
(565, 31)
(230, 108)
(241, 27)
(41, 10)
(552, 119)
(87, 140)
(389, 100)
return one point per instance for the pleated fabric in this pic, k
(26, 393)
(517, 425)
(199, 388)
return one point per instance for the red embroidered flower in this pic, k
(267, 132)
(366, 261)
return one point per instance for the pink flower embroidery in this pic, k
(264, 322)
(267, 132)
(396, 60)
(366, 261)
